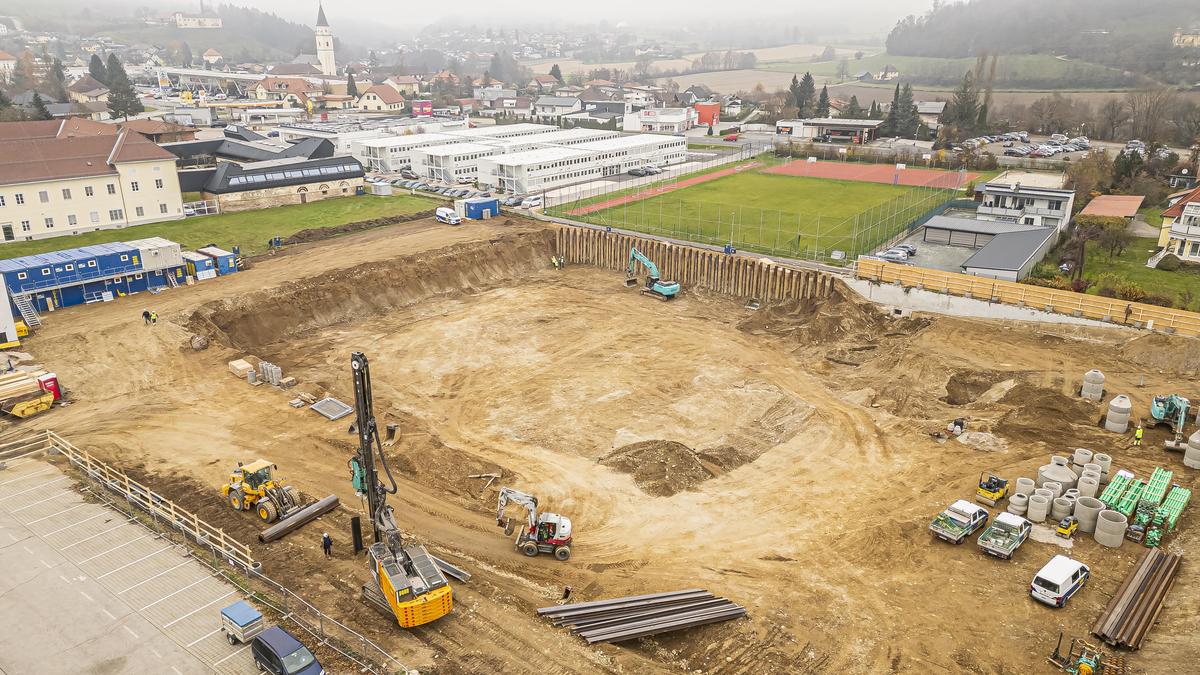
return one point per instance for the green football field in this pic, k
(782, 215)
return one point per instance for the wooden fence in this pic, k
(1135, 314)
(737, 275)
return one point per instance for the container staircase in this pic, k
(28, 313)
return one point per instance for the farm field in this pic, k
(249, 230)
(1010, 70)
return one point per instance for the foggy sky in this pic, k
(866, 16)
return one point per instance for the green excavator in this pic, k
(655, 287)
(1171, 410)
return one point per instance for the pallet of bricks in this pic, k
(1139, 600)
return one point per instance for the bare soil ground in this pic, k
(778, 457)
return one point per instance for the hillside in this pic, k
(1133, 36)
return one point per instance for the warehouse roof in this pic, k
(1119, 206)
(1010, 250)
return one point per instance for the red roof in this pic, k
(5, 56)
(36, 159)
(1176, 209)
(1119, 206)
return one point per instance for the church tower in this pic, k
(325, 44)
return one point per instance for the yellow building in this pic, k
(1187, 38)
(56, 180)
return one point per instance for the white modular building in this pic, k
(537, 170)
(390, 154)
(344, 131)
(617, 155)
(504, 131)
(573, 136)
(452, 163)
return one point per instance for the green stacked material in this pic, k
(1156, 488)
(1129, 500)
(1116, 488)
(1172, 507)
(1145, 512)
(1153, 537)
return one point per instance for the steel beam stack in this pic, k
(642, 615)
(1135, 606)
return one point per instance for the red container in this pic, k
(49, 382)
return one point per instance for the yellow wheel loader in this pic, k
(255, 486)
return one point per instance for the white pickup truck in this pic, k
(1005, 535)
(959, 521)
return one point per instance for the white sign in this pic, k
(901, 167)
(927, 157)
(812, 160)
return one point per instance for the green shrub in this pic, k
(1107, 281)
(1160, 300)
(1170, 263)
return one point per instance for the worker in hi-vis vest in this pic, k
(1137, 435)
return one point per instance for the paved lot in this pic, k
(937, 256)
(84, 589)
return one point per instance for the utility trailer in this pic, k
(959, 521)
(1005, 535)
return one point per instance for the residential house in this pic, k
(87, 90)
(94, 110)
(888, 73)
(445, 77)
(660, 120)
(1179, 224)
(293, 90)
(518, 106)
(380, 98)
(1026, 205)
(334, 101)
(567, 90)
(409, 85)
(930, 113)
(618, 107)
(211, 56)
(543, 83)
(196, 20)
(599, 83)
(55, 183)
(8, 63)
(553, 107)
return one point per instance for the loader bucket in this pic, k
(389, 438)
(630, 282)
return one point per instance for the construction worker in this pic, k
(1137, 435)
(327, 545)
(146, 316)
(153, 317)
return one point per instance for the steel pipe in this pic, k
(297, 520)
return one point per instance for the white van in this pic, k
(447, 215)
(1055, 583)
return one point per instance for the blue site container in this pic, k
(226, 261)
(479, 208)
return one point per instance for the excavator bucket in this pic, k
(509, 527)
(389, 438)
(631, 281)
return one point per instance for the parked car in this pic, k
(959, 521)
(652, 170)
(907, 248)
(1005, 535)
(892, 255)
(1058, 580)
(445, 214)
(638, 172)
(407, 173)
(532, 202)
(512, 201)
(277, 652)
(1058, 137)
(1008, 144)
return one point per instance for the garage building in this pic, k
(830, 129)
(1011, 255)
(966, 232)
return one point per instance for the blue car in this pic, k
(277, 652)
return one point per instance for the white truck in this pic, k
(1005, 535)
(959, 521)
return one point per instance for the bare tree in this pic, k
(1113, 115)
(843, 70)
(1149, 111)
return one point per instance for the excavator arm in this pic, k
(635, 256)
(517, 497)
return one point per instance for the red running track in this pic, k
(874, 173)
(661, 189)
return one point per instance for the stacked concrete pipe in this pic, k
(1060, 508)
(1081, 457)
(1057, 471)
(1105, 462)
(1110, 528)
(1025, 486)
(1117, 419)
(1044, 492)
(1088, 486)
(1087, 510)
(1039, 507)
(1053, 486)
(1093, 385)
(1018, 504)
(1191, 454)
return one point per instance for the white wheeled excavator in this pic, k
(542, 533)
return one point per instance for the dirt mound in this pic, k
(838, 318)
(320, 233)
(965, 386)
(311, 303)
(664, 468)
(1048, 415)
(1168, 353)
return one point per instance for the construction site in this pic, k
(766, 440)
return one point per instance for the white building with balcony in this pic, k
(390, 154)
(1026, 205)
(1183, 239)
